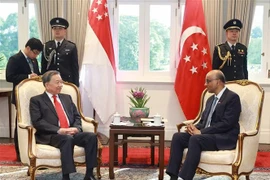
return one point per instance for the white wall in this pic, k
(163, 101)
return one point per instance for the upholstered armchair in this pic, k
(239, 161)
(35, 155)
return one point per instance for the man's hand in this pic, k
(68, 131)
(33, 75)
(192, 130)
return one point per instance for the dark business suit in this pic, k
(64, 60)
(220, 135)
(235, 67)
(44, 118)
(17, 70)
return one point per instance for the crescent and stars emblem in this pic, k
(185, 35)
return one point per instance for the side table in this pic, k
(135, 129)
(5, 92)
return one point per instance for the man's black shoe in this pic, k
(65, 177)
(91, 177)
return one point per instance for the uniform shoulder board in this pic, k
(241, 45)
(220, 45)
(48, 42)
(71, 42)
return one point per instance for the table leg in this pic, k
(124, 150)
(111, 155)
(161, 155)
(152, 150)
(115, 150)
(9, 115)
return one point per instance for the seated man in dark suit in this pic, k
(58, 124)
(218, 129)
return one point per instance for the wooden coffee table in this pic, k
(135, 128)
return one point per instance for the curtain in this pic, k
(218, 12)
(244, 10)
(77, 16)
(213, 12)
(75, 11)
(45, 11)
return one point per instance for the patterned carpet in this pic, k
(19, 172)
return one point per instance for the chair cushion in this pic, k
(50, 152)
(216, 157)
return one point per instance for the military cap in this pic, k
(233, 24)
(59, 22)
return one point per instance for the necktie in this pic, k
(30, 64)
(58, 44)
(60, 112)
(208, 122)
(233, 47)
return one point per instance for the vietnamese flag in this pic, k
(195, 59)
(98, 73)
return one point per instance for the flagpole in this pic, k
(94, 114)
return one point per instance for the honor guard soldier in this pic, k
(60, 54)
(231, 56)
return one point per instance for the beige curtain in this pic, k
(218, 12)
(213, 11)
(45, 11)
(77, 16)
(244, 10)
(75, 11)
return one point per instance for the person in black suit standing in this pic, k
(21, 66)
(217, 129)
(60, 54)
(58, 124)
(231, 57)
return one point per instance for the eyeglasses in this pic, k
(36, 52)
(207, 81)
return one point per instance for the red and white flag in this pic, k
(98, 68)
(195, 59)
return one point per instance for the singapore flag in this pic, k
(195, 59)
(98, 68)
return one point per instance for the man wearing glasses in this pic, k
(60, 54)
(21, 66)
(218, 129)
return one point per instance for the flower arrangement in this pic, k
(138, 97)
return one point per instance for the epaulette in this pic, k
(241, 45)
(49, 41)
(222, 44)
(71, 42)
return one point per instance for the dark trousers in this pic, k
(16, 143)
(66, 144)
(195, 144)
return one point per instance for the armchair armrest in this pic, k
(250, 133)
(89, 124)
(27, 142)
(180, 127)
(246, 151)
